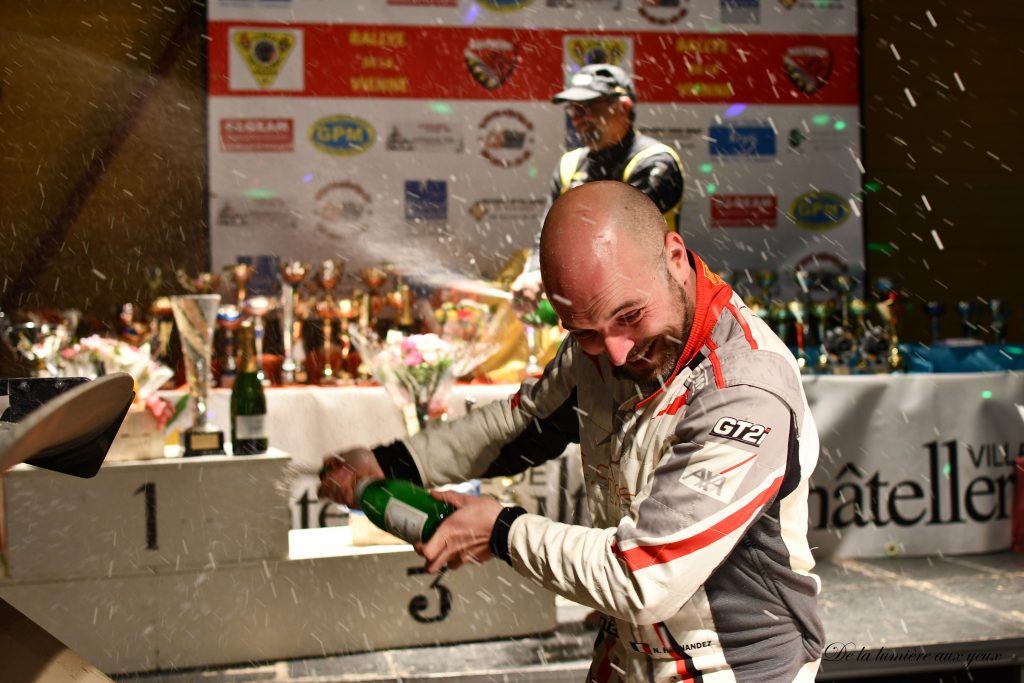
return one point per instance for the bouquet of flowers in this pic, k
(419, 370)
(96, 355)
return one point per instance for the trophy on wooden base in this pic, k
(292, 275)
(196, 315)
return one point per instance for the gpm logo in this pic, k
(819, 211)
(342, 135)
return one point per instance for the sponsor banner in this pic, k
(824, 17)
(819, 211)
(394, 61)
(424, 136)
(493, 232)
(498, 211)
(743, 211)
(342, 135)
(917, 466)
(580, 50)
(741, 141)
(263, 59)
(741, 11)
(506, 138)
(257, 134)
(426, 200)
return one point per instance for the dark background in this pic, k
(103, 144)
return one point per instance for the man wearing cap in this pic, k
(600, 101)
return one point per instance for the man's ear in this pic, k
(676, 258)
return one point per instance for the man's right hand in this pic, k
(341, 471)
(526, 291)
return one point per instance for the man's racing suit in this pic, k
(698, 494)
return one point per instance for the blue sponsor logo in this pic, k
(504, 5)
(750, 141)
(819, 211)
(741, 11)
(426, 200)
(342, 135)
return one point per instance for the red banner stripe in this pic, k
(429, 62)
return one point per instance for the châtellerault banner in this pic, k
(421, 132)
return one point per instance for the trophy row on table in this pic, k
(301, 330)
(835, 332)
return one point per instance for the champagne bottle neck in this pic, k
(361, 486)
(247, 344)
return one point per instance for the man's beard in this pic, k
(670, 348)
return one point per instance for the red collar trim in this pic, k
(712, 296)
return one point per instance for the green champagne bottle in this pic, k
(543, 315)
(401, 508)
(248, 403)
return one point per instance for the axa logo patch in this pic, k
(741, 430)
(719, 472)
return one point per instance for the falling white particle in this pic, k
(99, 274)
(910, 98)
(931, 19)
(562, 300)
(894, 52)
(926, 204)
(938, 242)
(773, 616)
(853, 207)
(959, 83)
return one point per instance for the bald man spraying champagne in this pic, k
(697, 445)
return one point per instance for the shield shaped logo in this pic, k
(491, 61)
(808, 67)
(264, 52)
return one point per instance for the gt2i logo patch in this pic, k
(741, 430)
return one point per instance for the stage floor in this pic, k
(882, 617)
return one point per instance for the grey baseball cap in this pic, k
(596, 80)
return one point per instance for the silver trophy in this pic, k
(196, 315)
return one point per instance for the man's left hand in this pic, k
(465, 535)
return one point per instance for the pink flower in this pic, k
(413, 357)
(161, 408)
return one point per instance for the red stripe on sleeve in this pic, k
(642, 557)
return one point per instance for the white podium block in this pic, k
(110, 622)
(327, 598)
(171, 513)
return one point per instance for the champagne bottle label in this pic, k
(404, 521)
(250, 427)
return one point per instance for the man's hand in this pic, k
(342, 470)
(526, 291)
(465, 535)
